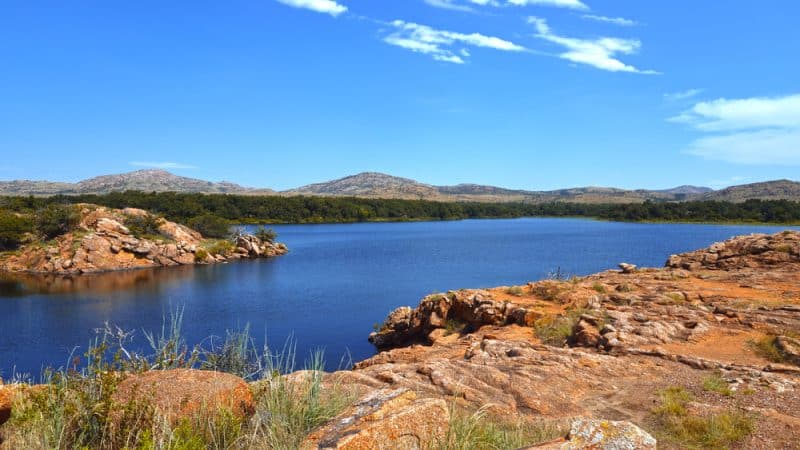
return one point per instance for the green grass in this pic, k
(515, 291)
(677, 425)
(200, 255)
(765, 347)
(481, 431)
(550, 290)
(75, 409)
(222, 247)
(454, 326)
(715, 383)
(556, 329)
(599, 288)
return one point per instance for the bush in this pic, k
(266, 234)
(556, 330)
(200, 255)
(13, 229)
(210, 226)
(54, 220)
(549, 290)
(766, 348)
(219, 247)
(143, 225)
(515, 291)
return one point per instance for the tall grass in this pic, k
(678, 425)
(73, 408)
(482, 431)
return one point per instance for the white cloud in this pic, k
(322, 6)
(756, 112)
(569, 4)
(439, 43)
(621, 21)
(682, 95)
(757, 130)
(764, 147)
(600, 52)
(449, 4)
(462, 5)
(162, 165)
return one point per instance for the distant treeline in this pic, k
(277, 209)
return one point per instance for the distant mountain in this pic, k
(767, 190)
(686, 190)
(380, 185)
(149, 180)
(370, 184)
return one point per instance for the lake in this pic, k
(336, 282)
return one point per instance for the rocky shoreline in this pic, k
(103, 241)
(703, 352)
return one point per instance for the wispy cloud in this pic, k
(600, 52)
(162, 165)
(463, 5)
(450, 4)
(621, 21)
(440, 44)
(569, 4)
(682, 95)
(757, 130)
(322, 6)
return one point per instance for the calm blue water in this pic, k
(335, 284)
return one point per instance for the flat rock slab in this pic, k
(387, 419)
(183, 393)
(596, 434)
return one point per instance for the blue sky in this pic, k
(532, 94)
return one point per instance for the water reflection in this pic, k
(153, 280)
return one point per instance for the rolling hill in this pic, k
(379, 185)
(149, 180)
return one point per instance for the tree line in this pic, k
(184, 207)
(212, 214)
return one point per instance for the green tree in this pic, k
(54, 220)
(211, 226)
(13, 228)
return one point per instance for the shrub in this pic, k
(13, 229)
(599, 288)
(766, 348)
(144, 225)
(624, 287)
(200, 255)
(54, 220)
(210, 225)
(266, 234)
(515, 291)
(715, 430)
(219, 247)
(556, 329)
(549, 290)
(454, 326)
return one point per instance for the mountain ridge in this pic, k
(381, 185)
